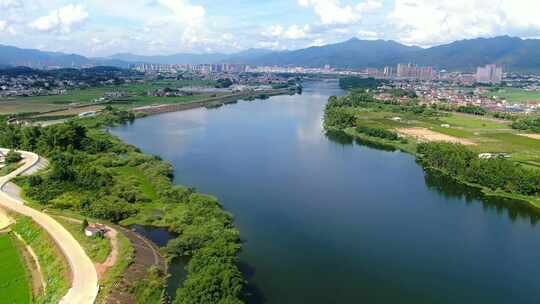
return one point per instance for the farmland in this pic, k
(137, 96)
(15, 285)
(486, 135)
(515, 95)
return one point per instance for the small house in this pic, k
(95, 230)
(485, 155)
(87, 114)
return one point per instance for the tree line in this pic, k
(496, 173)
(340, 112)
(378, 132)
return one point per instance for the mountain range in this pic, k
(511, 52)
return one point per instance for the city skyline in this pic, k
(101, 28)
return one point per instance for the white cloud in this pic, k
(364, 34)
(6, 27)
(62, 19)
(332, 11)
(185, 12)
(10, 3)
(268, 45)
(296, 32)
(317, 42)
(369, 6)
(429, 22)
(293, 32)
(275, 31)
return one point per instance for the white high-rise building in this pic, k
(491, 74)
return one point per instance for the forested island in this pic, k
(94, 174)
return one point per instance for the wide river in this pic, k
(329, 220)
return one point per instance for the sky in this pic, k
(152, 27)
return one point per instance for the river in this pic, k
(329, 220)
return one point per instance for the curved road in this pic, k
(84, 288)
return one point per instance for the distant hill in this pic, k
(513, 53)
(13, 56)
(171, 59)
(184, 58)
(353, 53)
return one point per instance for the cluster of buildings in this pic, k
(194, 68)
(26, 86)
(490, 74)
(441, 92)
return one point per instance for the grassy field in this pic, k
(98, 249)
(488, 135)
(515, 95)
(53, 264)
(137, 97)
(14, 280)
(135, 175)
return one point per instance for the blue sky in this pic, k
(105, 27)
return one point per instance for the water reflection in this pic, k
(345, 139)
(450, 188)
(162, 236)
(254, 294)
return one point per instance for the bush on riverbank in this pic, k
(378, 132)
(496, 173)
(95, 174)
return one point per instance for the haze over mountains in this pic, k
(512, 53)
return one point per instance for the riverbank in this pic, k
(410, 148)
(94, 174)
(405, 126)
(213, 101)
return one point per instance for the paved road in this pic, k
(84, 287)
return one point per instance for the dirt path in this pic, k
(5, 221)
(112, 235)
(533, 136)
(84, 286)
(146, 256)
(426, 135)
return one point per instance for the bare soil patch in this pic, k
(102, 268)
(146, 256)
(533, 136)
(74, 111)
(426, 135)
(5, 221)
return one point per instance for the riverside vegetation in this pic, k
(95, 174)
(511, 170)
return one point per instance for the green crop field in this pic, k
(14, 282)
(515, 95)
(137, 97)
(488, 135)
(472, 122)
